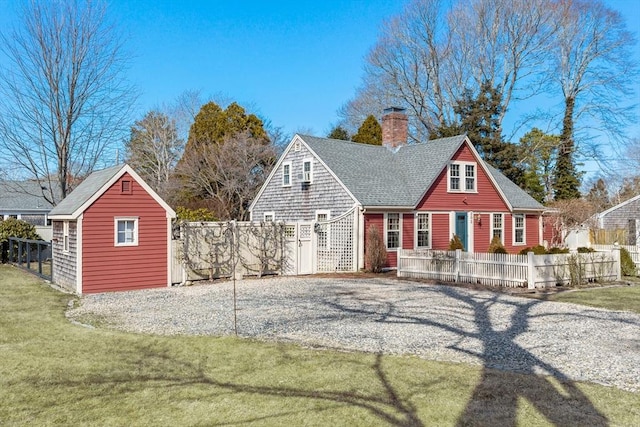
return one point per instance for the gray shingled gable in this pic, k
(85, 191)
(22, 196)
(379, 176)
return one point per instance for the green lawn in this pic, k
(618, 298)
(54, 372)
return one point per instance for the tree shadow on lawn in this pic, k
(496, 397)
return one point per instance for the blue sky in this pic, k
(292, 62)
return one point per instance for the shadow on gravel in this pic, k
(495, 400)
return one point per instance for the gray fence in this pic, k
(32, 255)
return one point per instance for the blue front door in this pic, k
(461, 227)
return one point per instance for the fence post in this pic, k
(618, 264)
(456, 265)
(531, 271)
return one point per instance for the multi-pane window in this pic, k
(65, 236)
(496, 226)
(126, 231)
(518, 229)
(286, 174)
(307, 171)
(393, 230)
(470, 177)
(269, 216)
(454, 177)
(462, 177)
(422, 231)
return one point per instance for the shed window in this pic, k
(126, 231)
(65, 236)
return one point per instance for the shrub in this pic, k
(585, 250)
(376, 252)
(14, 228)
(496, 247)
(202, 214)
(557, 250)
(537, 250)
(626, 263)
(455, 243)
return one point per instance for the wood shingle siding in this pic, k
(65, 273)
(299, 202)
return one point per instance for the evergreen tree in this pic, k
(566, 183)
(339, 132)
(539, 151)
(479, 117)
(370, 132)
(598, 196)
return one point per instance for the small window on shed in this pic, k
(65, 236)
(126, 186)
(126, 231)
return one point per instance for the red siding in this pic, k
(408, 226)
(106, 267)
(486, 199)
(440, 234)
(481, 233)
(377, 220)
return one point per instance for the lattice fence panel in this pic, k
(335, 243)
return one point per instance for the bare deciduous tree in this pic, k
(229, 174)
(154, 149)
(63, 100)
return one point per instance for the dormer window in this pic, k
(462, 177)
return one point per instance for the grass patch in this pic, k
(625, 298)
(54, 372)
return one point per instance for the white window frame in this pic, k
(289, 175)
(524, 229)
(462, 177)
(310, 162)
(493, 228)
(326, 232)
(266, 215)
(65, 236)
(386, 231)
(418, 229)
(119, 219)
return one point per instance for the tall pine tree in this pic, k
(370, 132)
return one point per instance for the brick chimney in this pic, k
(395, 127)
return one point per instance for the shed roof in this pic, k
(93, 186)
(384, 177)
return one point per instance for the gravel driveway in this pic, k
(400, 317)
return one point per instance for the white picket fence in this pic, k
(529, 270)
(634, 251)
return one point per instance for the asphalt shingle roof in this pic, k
(379, 176)
(85, 191)
(22, 196)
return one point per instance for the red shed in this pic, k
(112, 233)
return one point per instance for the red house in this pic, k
(417, 195)
(112, 233)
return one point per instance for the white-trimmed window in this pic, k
(307, 171)
(286, 174)
(423, 226)
(392, 230)
(497, 226)
(322, 230)
(519, 229)
(126, 231)
(462, 177)
(269, 216)
(65, 236)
